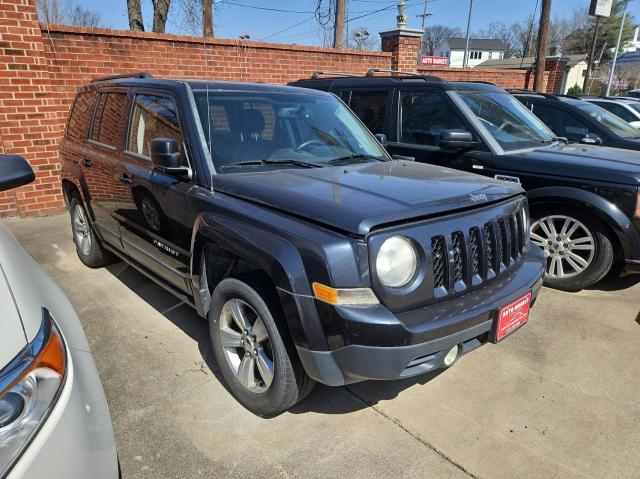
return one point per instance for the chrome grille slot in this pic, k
(513, 230)
(521, 232)
(490, 246)
(505, 253)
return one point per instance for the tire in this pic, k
(241, 367)
(589, 240)
(88, 246)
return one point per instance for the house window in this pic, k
(475, 55)
(490, 55)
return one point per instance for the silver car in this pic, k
(54, 419)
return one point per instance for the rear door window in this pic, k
(424, 115)
(371, 108)
(107, 122)
(79, 118)
(617, 110)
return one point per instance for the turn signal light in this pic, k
(345, 296)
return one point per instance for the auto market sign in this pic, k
(600, 8)
(427, 60)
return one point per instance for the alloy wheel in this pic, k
(81, 230)
(567, 243)
(246, 344)
(150, 213)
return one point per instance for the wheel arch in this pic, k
(623, 231)
(237, 247)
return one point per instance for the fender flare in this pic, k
(274, 255)
(594, 204)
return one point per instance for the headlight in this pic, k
(29, 388)
(396, 262)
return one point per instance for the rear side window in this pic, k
(424, 116)
(79, 118)
(153, 117)
(370, 106)
(617, 110)
(107, 122)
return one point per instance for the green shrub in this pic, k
(575, 90)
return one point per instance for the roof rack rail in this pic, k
(372, 71)
(123, 75)
(316, 74)
(541, 93)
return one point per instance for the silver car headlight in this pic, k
(397, 262)
(29, 388)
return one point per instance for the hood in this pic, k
(598, 163)
(357, 198)
(12, 338)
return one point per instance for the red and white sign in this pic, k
(512, 316)
(426, 60)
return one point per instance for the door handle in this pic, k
(125, 179)
(87, 162)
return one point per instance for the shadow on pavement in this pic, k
(614, 282)
(323, 400)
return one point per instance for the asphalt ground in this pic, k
(557, 399)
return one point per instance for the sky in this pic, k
(297, 25)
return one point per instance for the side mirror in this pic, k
(165, 156)
(456, 140)
(14, 172)
(382, 139)
(591, 139)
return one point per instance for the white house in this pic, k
(480, 50)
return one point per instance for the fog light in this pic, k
(451, 356)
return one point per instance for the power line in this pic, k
(380, 10)
(288, 28)
(269, 9)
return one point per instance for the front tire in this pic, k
(253, 349)
(578, 248)
(89, 249)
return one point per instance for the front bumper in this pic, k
(422, 337)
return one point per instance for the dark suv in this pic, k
(580, 121)
(277, 215)
(584, 200)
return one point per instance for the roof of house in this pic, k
(629, 57)
(477, 44)
(527, 62)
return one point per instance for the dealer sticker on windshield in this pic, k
(512, 316)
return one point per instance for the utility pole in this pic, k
(207, 18)
(465, 61)
(424, 16)
(543, 37)
(615, 54)
(338, 29)
(592, 53)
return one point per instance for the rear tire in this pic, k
(253, 349)
(88, 246)
(578, 247)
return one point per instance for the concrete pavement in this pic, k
(558, 399)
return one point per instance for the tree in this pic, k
(160, 13)
(579, 40)
(509, 34)
(67, 13)
(134, 11)
(435, 34)
(197, 16)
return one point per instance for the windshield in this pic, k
(281, 130)
(635, 106)
(509, 122)
(614, 123)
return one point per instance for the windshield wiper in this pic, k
(242, 164)
(355, 157)
(555, 139)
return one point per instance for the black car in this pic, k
(581, 121)
(277, 215)
(584, 199)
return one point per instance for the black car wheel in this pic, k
(88, 246)
(578, 248)
(253, 350)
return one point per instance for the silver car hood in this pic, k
(12, 337)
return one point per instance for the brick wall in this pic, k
(41, 67)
